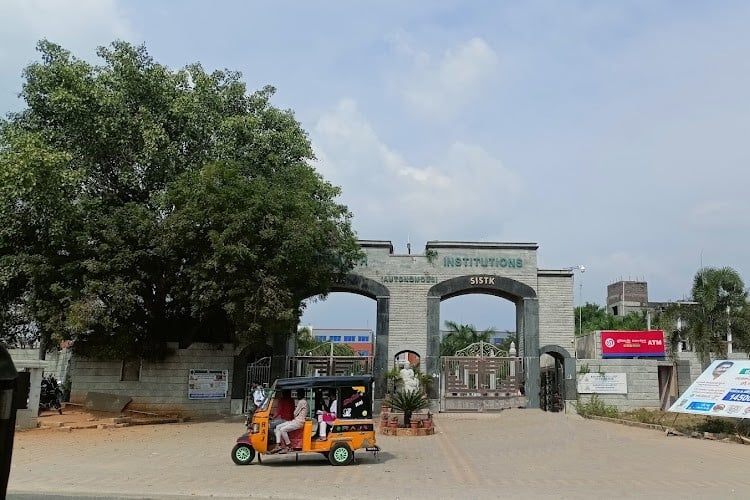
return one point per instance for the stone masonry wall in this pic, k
(163, 386)
(410, 277)
(556, 322)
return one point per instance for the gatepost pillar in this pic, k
(531, 351)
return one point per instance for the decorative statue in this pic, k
(410, 381)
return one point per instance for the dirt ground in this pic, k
(525, 454)
(77, 417)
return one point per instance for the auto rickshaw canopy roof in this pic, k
(330, 381)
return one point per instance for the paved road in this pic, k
(513, 454)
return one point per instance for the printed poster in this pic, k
(603, 383)
(723, 390)
(208, 384)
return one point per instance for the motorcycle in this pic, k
(51, 395)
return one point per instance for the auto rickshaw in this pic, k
(351, 425)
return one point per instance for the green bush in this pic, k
(595, 407)
(743, 427)
(717, 426)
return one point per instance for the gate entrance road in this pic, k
(512, 454)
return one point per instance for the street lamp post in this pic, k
(581, 269)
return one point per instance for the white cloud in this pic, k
(78, 25)
(390, 196)
(440, 87)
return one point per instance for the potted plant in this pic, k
(408, 402)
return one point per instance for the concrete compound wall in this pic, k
(642, 376)
(163, 386)
(57, 362)
(642, 379)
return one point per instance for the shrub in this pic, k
(595, 407)
(409, 402)
(717, 426)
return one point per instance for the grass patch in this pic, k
(688, 423)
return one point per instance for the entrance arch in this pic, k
(366, 287)
(558, 382)
(527, 321)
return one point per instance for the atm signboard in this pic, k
(630, 344)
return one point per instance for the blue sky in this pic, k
(611, 133)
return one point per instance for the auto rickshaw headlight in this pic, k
(255, 428)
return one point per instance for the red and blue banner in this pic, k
(623, 344)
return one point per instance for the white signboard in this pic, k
(723, 390)
(602, 383)
(208, 384)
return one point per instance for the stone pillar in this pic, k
(531, 350)
(571, 380)
(380, 360)
(432, 365)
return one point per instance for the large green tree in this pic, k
(140, 205)
(718, 306)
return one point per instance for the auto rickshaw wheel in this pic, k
(340, 454)
(243, 454)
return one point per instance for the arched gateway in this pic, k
(409, 288)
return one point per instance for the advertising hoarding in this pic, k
(723, 390)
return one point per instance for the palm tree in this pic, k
(718, 306)
(461, 336)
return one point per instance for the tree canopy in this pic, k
(594, 317)
(140, 205)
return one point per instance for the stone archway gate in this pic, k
(409, 288)
(481, 377)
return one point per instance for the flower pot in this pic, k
(427, 424)
(393, 422)
(414, 424)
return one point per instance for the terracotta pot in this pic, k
(426, 424)
(393, 422)
(414, 424)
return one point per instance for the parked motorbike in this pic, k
(51, 395)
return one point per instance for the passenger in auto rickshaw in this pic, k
(326, 413)
(283, 443)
